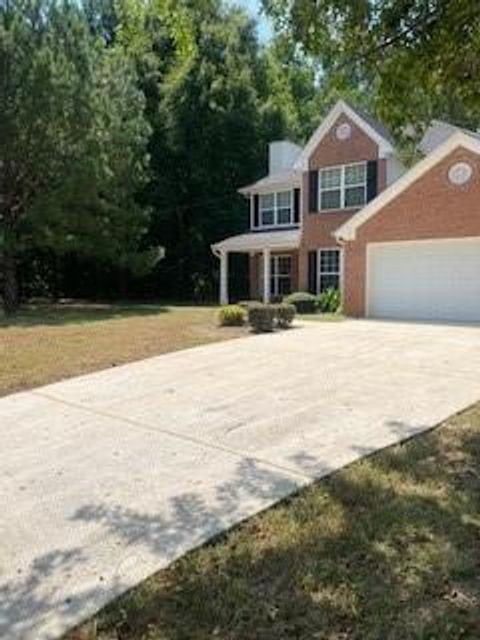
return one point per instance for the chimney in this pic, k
(282, 155)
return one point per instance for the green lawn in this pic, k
(45, 343)
(386, 549)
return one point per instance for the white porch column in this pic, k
(266, 276)
(224, 277)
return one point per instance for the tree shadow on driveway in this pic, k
(50, 594)
(386, 548)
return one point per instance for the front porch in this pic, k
(273, 263)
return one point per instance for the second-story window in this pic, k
(267, 209)
(275, 209)
(343, 187)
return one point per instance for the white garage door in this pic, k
(424, 280)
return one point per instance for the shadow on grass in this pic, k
(59, 314)
(388, 548)
(48, 588)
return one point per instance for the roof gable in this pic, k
(458, 140)
(380, 128)
(367, 124)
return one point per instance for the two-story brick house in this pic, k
(343, 212)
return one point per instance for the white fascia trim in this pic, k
(218, 249)
(257, 241)
(384, 146)
(460, 239)
(347, 231)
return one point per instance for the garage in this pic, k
(424, 280)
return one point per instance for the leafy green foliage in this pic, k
(302, 301)
(329, 301)
(127, 126)
(231, 316)
(284, 314)
(212, 116)
(261, 317)
(414, 59)
(73, 139)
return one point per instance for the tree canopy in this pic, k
(73, 142)
(129, 126)
(417, 59)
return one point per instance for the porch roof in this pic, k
(281, 180)
(259, 240)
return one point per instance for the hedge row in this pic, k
(326, 302)
(261, 317)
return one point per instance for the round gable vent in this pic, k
(460, 173)
(344, 131)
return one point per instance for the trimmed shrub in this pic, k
(284, 313)
(329, 301)
(231, 316)
(246, 304)
(261, 317)
(302, 301)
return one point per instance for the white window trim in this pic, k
(275, 224)
(274, 275)
(342, 186)
(331, 273)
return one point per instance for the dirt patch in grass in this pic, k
(388, 548)
(48, 343)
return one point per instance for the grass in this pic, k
(386, 549)
(45, 343)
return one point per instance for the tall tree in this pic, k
(418, 58)
(73, 142)
(212, 113)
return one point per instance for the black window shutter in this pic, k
(256, 211)
(372, 179)
(313, 191)
(296, 206)
(312, 271)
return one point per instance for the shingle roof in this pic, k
(285, 178)
(276, 239)
(469, 132)
(439, 131)
(380, 128)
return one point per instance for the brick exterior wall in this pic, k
(331, 151)
(430, 208)
(319, 227)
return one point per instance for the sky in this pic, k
(253, 7)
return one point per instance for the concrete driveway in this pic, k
(109, 477)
